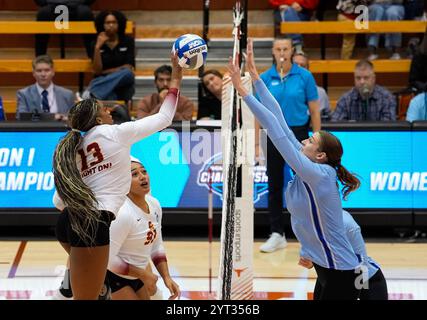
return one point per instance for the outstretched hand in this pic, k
(250, 61)
(176, 68)
(234, 72)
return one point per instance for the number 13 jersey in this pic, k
(103, 158)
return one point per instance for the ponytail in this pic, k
(349, 181)
(334, 151)
(77, 196)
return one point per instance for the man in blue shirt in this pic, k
(417, 108)
(325, 108)
(295, 90)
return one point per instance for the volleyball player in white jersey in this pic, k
(135, 240)
(91, 170)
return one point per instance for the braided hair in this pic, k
(76, 195)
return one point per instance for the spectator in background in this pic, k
(366, 101)
(417, 108)
(113, 58)
(293, 11)
(414, 9)
(386, 10)
(79, 10)
(210, 105)
(2, 111)
(44, 95)
(151, 104)
(295, 90)
(325, 107)
(346, 12)
(418, 71)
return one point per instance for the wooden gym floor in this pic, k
(34, 269)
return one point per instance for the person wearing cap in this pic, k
(366, 101)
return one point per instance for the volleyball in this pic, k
(192, 51)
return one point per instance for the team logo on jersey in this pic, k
(151, 234)
(211, 173)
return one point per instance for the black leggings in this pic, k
(377, 288)
(335, 284)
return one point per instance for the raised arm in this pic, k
(131, 132)
(304, 167)
(265, 96)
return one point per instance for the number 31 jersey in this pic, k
(135, 235)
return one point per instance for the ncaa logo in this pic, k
(194, 43)
(211, 173)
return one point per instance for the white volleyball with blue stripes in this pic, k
(192, 51)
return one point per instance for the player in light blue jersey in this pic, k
(375, 288)
(312, 196)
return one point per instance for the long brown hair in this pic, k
(207, 72)
(331, 145)
(76, 195)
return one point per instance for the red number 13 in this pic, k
(97, 154)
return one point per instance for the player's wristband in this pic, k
(174, 91)
(158, 259)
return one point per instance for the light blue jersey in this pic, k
(417, 109)
(356, 240)
(312, 196)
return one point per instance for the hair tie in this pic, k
(76, 130)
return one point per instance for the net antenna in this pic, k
(235, 274)
(205, 4)
(210, 228)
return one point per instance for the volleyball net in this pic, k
(238, 140)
